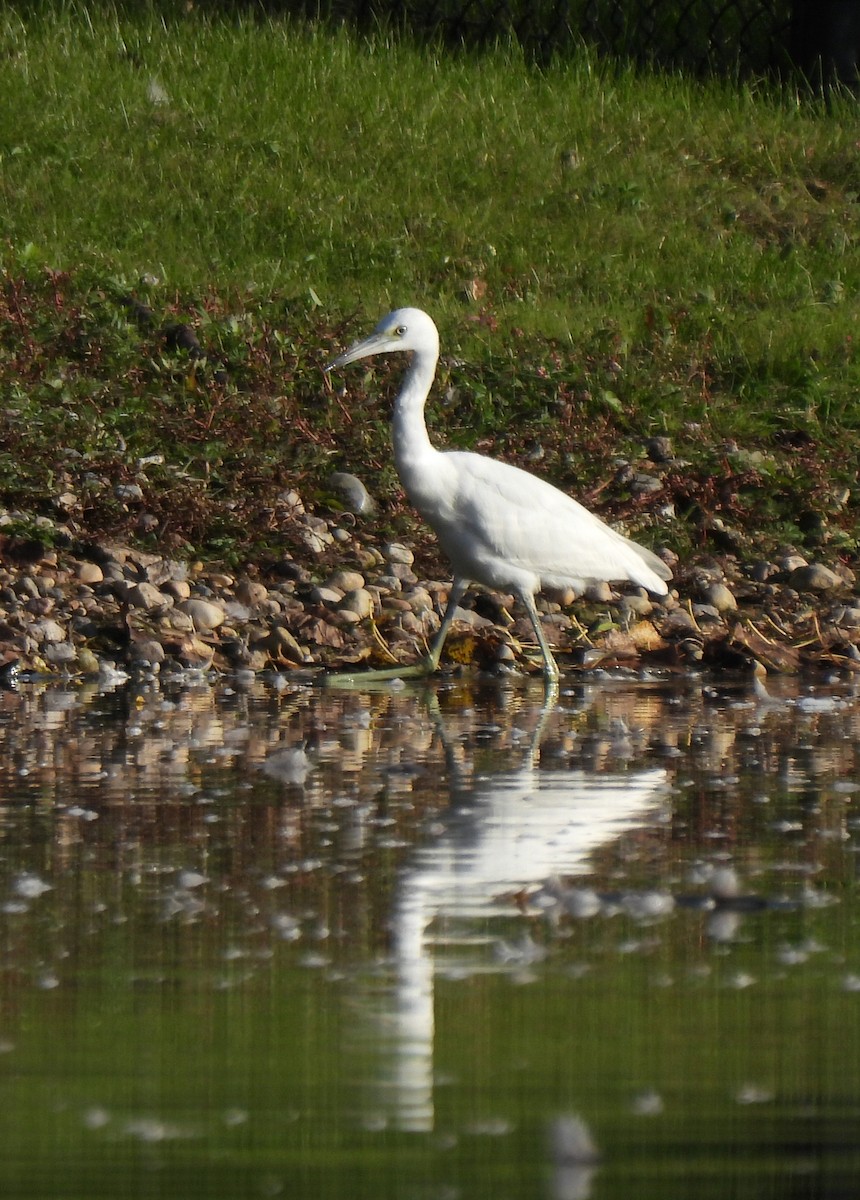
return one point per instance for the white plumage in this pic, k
(498, 525)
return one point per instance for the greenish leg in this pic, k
(550, 667)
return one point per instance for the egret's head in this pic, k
(403, 329)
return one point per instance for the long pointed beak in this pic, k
(376, 343)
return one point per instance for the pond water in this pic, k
(432, 943)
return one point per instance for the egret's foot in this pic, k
(421, 670)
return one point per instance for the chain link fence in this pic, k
(818, 39)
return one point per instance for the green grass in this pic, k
(613, 254)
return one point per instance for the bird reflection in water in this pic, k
(502, 833)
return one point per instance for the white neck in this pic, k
(409, 433)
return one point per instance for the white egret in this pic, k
(499, 526)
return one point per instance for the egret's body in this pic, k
(498, 525)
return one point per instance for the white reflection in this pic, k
(505, 833)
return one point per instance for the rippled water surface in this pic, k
(434, 944)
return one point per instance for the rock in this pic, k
(355, 495)
(40, 606)
(87, 661)
(60, 654)
(677, 624)
(706, 612)
(847, 617)
(396, 552)
(814, 578)
(845, 574)
(637, 605)
(147, 652)
(196, 653)
(250, 592)
(174, 621)
(27, 588)
(282, 645)
(644, 484)
(420, 600)
(331, 597)
(148, 597)
(239, 614)
(293, 501)
(359, 601)
(128, 493)
(598, 592)
(762, 570)
(790, 560)
(370, 557)
(47, 631)
(721, 598)
(89, 573)
(203, 613)
(316, 540)
(178, 589)
(345, 580)
(403, 572)
(659, 449)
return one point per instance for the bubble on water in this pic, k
(152, 1130)
(96, 1118)
(191, 879)
(571, 1141)
(287, 927)
(753, 1093)
(791, 956)
(491, 1127)
(740, 980)
(647, 1104)
(30, 886)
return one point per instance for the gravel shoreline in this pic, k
(70, 608)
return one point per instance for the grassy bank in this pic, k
(609, 257)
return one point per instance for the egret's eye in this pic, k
(400, 330)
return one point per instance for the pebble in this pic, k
(345, 581)
(849, 617)
(326, 595)
(47, 631)
(59, 613)
(203, 613)
(814, 577)
(637, 605)
(148, 597)
(354, 494)
(358, 601)
(148, 651)
(178, 589)
(251, 592)
(659, 449)
(721, 598)
(128, 492)
(395, 552)
(599, 592)
(89, 573)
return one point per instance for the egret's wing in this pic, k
(531, 525)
